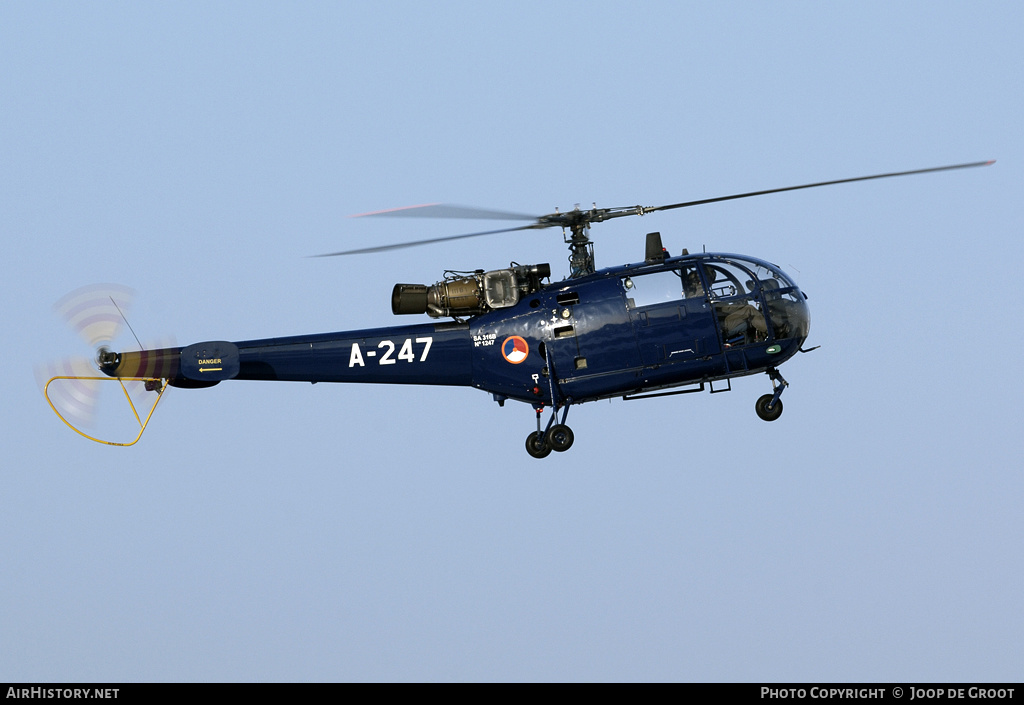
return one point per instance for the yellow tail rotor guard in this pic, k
(150, 381)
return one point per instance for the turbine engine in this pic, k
(469, 293)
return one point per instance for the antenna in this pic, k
(126, 322)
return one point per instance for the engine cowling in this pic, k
(469, 294)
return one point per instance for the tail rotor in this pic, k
(98, 314)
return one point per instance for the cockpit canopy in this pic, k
(753, 300)
(735, 276)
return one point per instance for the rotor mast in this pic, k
(581, 247)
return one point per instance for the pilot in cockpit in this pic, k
(743, 318)
(692, 287)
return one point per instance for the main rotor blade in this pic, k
(634, 210)
(578, 220)
(445, 210)
(415, 243)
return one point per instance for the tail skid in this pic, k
(153, 384)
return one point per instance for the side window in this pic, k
(653, 288)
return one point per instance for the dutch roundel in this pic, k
(514, 349)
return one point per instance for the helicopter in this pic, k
(662, 326)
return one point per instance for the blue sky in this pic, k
(199, 153)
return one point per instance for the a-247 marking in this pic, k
(355, 357)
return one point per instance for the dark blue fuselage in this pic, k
(616, 332)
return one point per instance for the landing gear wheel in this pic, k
(560, 438)
(761, 407)
(537, 445)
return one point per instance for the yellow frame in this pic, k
(121, 381)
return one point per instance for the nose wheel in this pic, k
(769, 406)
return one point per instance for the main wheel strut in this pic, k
(554, 437)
